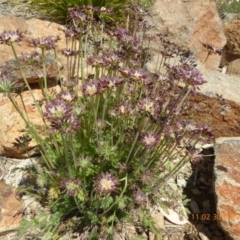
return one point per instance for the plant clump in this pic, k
(115, 131)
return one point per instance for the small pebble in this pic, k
(194, 207)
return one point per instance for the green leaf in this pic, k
(106, 202)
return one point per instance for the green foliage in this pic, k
(230, 6)
(57, 10)
(115, 133)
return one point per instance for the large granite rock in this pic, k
(221, 84)
(191, 24)
(232, 48)
(227, 184)
(234, 67)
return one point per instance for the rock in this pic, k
(203, 236)
(221, 84)
(194, 207)
(232, 48)
(173, 216)
(10, 210)
(12, 126)
(158, 219)
(234, 67)
(190, 24)
(227, 184)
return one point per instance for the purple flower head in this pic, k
(22, 141)
(28, 57)
(147, 105)
(125, 109)
(206, 135)
(125, 37)
(7, 82)
(70, 83)
(74, 32)
(98, 61)
(137, 74)
(45, 42)
(212, 48)
(108, 82)
(85, 13)
(113, 58)
(66, 96)
(194, 154)
(150, 139)
(8, 37)
(57, 110)
(106, 183)
(71, 186)
(79, 31)
(67, 125)
(78, 15)
(68, 52)
(90, 88)
(125, 71)
(189, 74)
(139, 198)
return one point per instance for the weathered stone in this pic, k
(234, 67)
(190, 24)
(221, 84)
(227, 184)
(232, 48)
(10, 210)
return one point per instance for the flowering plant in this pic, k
(115, 132)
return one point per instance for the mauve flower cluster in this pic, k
(60, 114)
(84, 14)
(29, 57)
(8, 83)
(8, 37)
(47, 43)
(136, 75)
(150, 139)
(68, 52)
(125, 37)
(100, 85)
(186, 73)
(74, 32)
(110, 58)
